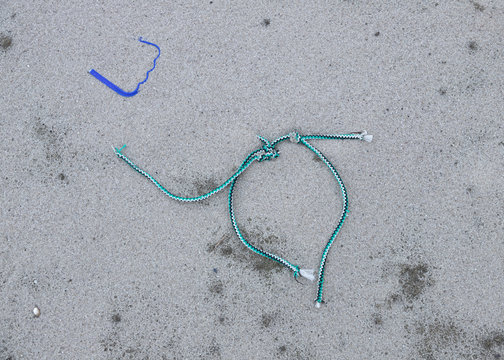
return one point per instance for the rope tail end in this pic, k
(307, 273)
(366, 137)
(118, 151)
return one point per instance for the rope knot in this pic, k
(294, 137)
(296, 271)
(267, 152)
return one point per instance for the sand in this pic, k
(119, 271)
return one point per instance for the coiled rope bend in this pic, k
(266, 153)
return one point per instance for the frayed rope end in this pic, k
(366, 137)
(118, 151)
(307, 273)
(317, 305)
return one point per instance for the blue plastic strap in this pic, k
(116, 88)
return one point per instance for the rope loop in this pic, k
(266, 153)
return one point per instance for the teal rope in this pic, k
(265, 153)
(251, 247)
(342, 218)
(241, 169)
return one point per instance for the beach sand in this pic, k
(120, 271)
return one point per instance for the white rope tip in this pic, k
(307, 273)
(367, 138)
(317, 305)
(364, 136)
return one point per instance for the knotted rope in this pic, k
(268, 152)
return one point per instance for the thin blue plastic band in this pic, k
(116, 88)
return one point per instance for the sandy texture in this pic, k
(119, 271)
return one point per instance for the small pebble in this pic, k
(36, 311)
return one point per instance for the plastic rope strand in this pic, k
(268, 152)
(251, 247)
(242, 168)
(341, 220)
